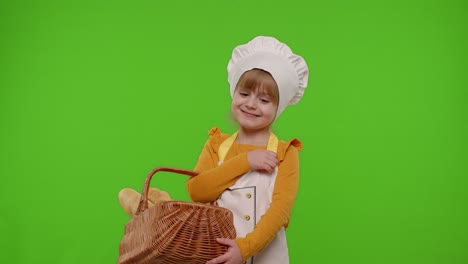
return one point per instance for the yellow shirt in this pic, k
(213, 180)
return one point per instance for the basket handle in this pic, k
(143, 205)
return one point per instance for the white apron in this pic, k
(248, 199)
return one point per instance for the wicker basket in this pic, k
(175, 232)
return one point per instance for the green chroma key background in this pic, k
(94, 94)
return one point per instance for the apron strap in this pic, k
(226, 145)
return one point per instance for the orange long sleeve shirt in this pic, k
(213, 180)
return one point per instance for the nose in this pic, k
(251, 102)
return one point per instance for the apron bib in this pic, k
(248, 199)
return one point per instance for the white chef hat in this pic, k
(289, 70)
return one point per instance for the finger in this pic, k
(271, 164)
(221, 259)
(273, 161)
(272, 158)
(267, 169)
(226, 241)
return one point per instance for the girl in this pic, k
(250, 172)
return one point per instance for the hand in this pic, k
(262, 160)
(232, 255)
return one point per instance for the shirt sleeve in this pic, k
(279, 212)
(212, 179)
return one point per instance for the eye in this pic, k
(264, 100)
(243, 94)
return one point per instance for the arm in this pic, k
(212, 179)
(279, 212)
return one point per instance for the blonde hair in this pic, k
(258, 80)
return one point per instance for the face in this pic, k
(253, 110)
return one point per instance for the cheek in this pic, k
(236, 102)
(234, 114)
(233, 107)
(272, 112)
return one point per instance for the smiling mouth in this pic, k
(249, 114)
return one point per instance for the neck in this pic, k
(258, 137)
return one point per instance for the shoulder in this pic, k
(216, 137)
(292, 145)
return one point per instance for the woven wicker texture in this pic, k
(175, 232)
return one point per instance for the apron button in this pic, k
(248, 195)
(247, 217)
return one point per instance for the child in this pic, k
(251, 172)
